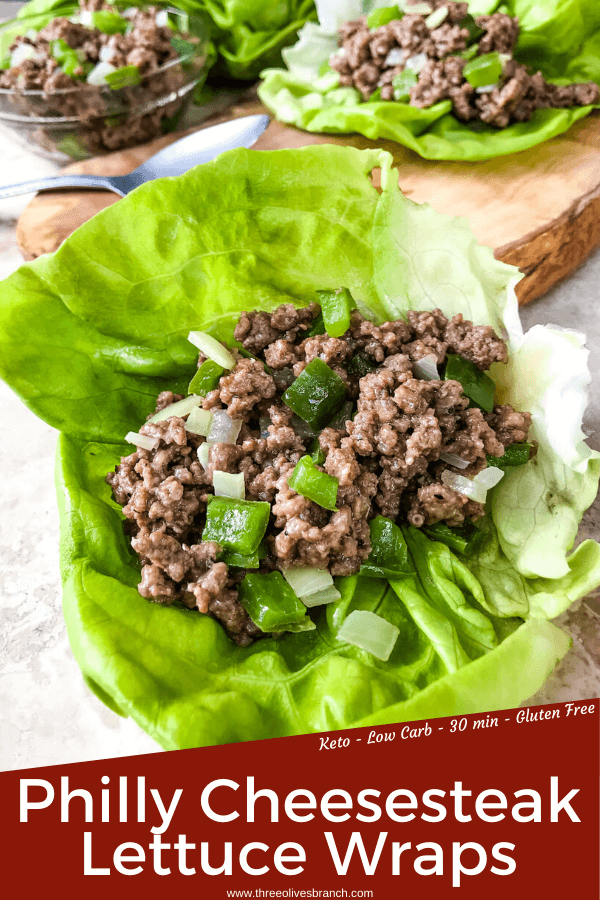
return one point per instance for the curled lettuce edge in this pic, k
(84, 367)
(560, 38)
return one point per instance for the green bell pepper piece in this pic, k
(465, 539)
(515, 455)
(316, 454)
(402, 83)
(316, 395)
(469, 53)
(361, 365)
(126, 76)
(206, 378)
(183, 48)
(59, 49)
(317, 326)
(345, 413)
(383, 16)
(109, 22)
(336, 307)
(309, 481)
(243, 561)
(240, 560)
(477, 386)
(306, 624)
(270, 602)
(68, 58)
(483, 70)
(389, 554)
(71, 66)
(238, 525)
(475, 32)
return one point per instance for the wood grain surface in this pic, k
(539, 209)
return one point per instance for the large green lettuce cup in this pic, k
(559, 37)
(90, 335)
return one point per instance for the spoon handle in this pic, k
(95, 182)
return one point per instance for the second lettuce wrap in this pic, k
(561, 38)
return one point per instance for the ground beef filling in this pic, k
(386, 455)
(368, 59)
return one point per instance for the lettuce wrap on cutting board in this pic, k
(559, 38)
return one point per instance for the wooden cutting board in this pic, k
(539, 209)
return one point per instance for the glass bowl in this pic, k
(89, 120)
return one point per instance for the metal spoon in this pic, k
(177, 158)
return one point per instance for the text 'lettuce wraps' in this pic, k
(90, 336)
(445, 86)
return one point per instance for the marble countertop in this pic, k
(47, 715)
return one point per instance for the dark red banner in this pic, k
(485, 805)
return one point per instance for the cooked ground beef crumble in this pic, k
(369, 59)
(385, 455)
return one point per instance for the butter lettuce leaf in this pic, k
(560, 38)
(90, 335)
(177, 674)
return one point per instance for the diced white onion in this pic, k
(465, 486)
(426, 368)
(130, 11)
(306, 625)
(85, 17)
(31, 34)
(504, 58)
(416, 9)
(454, 460)
(486, 88)
(320, 598)
(227, 484)
(437, 17)
(198, 421)
(489, 478)
(212, 349)
(107, 53)
(370, 632)
(395, 57)
(162, 18)
(141, 440)
(20, 54)
(179, 408)
(203, 451)
(223, 429)
(98, 74)
(417, 62)
(308, 581)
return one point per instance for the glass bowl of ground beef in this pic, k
(102, 79)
